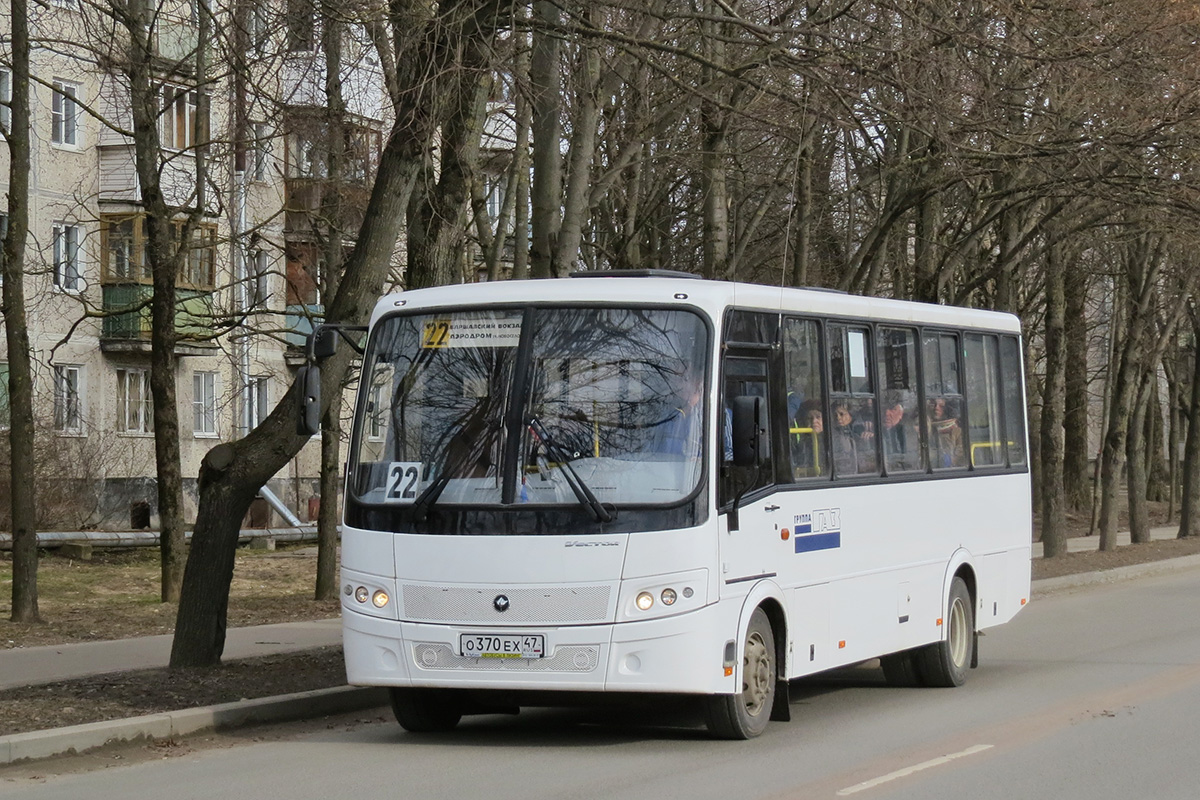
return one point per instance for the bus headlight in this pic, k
(361, 594)
(663, 595)
(380, 598)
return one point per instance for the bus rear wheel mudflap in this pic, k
(945, 663)
(745, 715)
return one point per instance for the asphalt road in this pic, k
(1091, 693)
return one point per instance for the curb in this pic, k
(1116, 574)
(165, 725)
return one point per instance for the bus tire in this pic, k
(745, 715)
(426, 710)
(902, 669)
(945, 663)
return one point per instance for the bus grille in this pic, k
(530, 604)
(565, 659)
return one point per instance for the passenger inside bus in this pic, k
(900, 440)
(945, 433)
(807, 427)
(853, 441)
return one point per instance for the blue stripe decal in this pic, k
(819, 541)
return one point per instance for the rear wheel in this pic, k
(945, 663)
(745, 715)
(426, 710)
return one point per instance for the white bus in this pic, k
(647, 482)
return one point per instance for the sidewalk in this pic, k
(33, 665)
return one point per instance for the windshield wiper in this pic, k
(583, 493)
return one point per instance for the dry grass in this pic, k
(116, 595)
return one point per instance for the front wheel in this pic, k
(945, 663)
(426, 710)
(745, 715)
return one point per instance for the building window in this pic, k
(67, 275)
(5, 99)
(258, 400)
(121, 249)
(178, 124)
(68, 416)
(377, 424)
(135, 409)
(261, 151)
(5, 417)
(260, 33)
(199, 266)
(64, 127)
(204, 403)
(261, 288)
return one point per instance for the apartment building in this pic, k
(244, 136)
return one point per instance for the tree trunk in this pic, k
(1052, 505)
(22, 484)
(1189, 509)
(328, 517)
(1135, 459)
(435, 233)
(164, 252)
(231, 474)
(1076, 476)
(546, 100)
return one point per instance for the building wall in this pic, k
(102, 468)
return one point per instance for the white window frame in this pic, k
(68, 399)
(204, 404)
(135, 404)
(260, 287)
(64, 114)
(258, 400)
(5, 99)
(172, 99)
(67, 245)
(261, 152)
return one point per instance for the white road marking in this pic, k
(903, 773)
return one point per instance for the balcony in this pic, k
(128, 329)
(303, 198)
(175, 43)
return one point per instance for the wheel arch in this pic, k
(961, 566)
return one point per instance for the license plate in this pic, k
(502, 645)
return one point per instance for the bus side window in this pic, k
(983, 400)
(851, 425)
(896, 353)
(805, 409)
(943, 401)
(1014, 403)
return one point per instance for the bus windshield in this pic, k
(596, 407)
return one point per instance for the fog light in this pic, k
(687, 591)
(349, 590)
(380, 598)
(645, 600)
(361, 594)
(668, 597)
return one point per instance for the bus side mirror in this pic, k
(308, 418)
(748, 431)
(324, 342)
